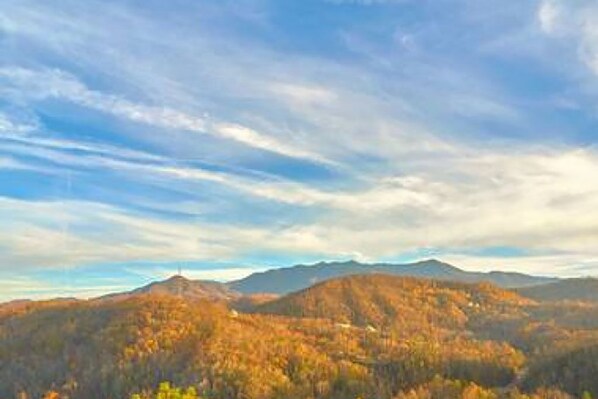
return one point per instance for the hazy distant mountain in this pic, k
(285, 280)
(181, 286)
(575, 289)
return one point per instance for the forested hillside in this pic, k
(181, 286)
(383, 301)
(373, 336)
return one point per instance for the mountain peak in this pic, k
(176, 278)
(178, 285)
(433, 261)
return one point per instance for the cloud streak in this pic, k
(40, 85)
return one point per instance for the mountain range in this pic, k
(262, 287)
(285, 280)
(363, 335)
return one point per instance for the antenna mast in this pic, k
(180, 283)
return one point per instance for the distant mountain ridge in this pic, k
(574, 289)
(295, 278)
(282, 281)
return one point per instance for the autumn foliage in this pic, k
(355, 337)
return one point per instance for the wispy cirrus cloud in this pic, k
(57, 84)
(540, 201)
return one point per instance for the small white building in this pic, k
(370, 328)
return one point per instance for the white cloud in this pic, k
(549, 15)
(304, 94)
(9, 126)
(254, 139)
(304, 107)
(576, 21)
(10, 163)
(385, 194)
(29, 143)
(38, 85)
(73, 233)
(537, 199)
(545, 202)
(408, 185)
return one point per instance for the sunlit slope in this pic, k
(384, 301)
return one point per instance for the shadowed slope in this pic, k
(578, 289)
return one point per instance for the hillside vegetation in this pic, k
(373, 336)
(382, 301)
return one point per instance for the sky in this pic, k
(228, 137)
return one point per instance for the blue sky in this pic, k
(234, 136)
